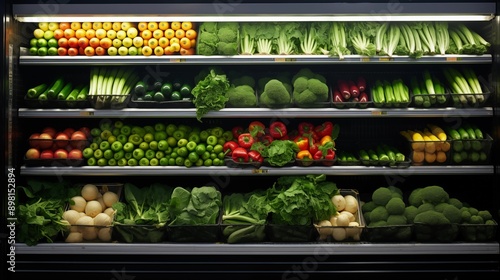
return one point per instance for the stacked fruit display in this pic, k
(113, 38)
(119, 144)
(430, 145)
(51, 144)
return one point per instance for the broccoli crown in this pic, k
(309, 90)
(277, 92)
(368, 206)
(414, 197)
(395, 206)
(476, 219)
(227, 35)
(452, 213)
(485, 214)
(208, 38)
(225, 48)
(381, 196)
(205, 49)
(431, 217)
(244, 80)
(304, 97)
(319, 88)
(379, 214)
(434, 195)
(396, 190)
(393, 220)
(209, 27)
(425, 207)
(381, 223)
(230, 25)
(304, 72)
(300, 84)
(465, 215)
(473, 211)
(410, 213)
(440, 207)
(241, 96)
(456, 202)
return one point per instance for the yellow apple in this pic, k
(138, 41)
(132, 50)
(132, 32)
(158, 33)
(53, 26)
(43, 25)
(38, 33)
(158, 51)
(117, 43)
(86, 25)
(96, 25)
(112, 50)
(122, 50)
(100, 33)
(107, 25)
(127, 42)
(147, 51)
(121, 34)
(111, 34)
(163, 42)
(117, 26)
(126, 25)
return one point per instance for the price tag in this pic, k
(379, 113)
(260, 171)
(86, 113)
(364, 59)
(452, 58)
(284, 59)
(177, 60)
(385, 59)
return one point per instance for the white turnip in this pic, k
(110, 198)
(93, 208)
(339, 202)
(79, 203)
(90, 192)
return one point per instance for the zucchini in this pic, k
(389, 152)
(382, 156)
(82, 95)
(63, 94)
(373, 155)
(140, 88)
(34, 92)
(477, 132)
(73, 94)
(453, 134)
(56, 88)
(363, 155)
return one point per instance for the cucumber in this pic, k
(56, 88)
(158, 96)
(140, 88)
(63, 94)
(363, 155)
(185, 91)
(74, 93)
(148, 96)
(34, 92)
(463, 133)
(382, 156)
(82, 95)
(468, 128)
(453, 134)
(157, 86)
(373, 155)
(477, 132)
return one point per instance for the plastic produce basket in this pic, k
(208, 233)
(471, 151)
(63, 104)
(184, 103)
(139, 233)
(474, 100)
(290, 233)
(436, 233)
(430, 152)
(393, 233)
(478, 232)
(109, 101)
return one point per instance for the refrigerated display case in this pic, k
(361, 259)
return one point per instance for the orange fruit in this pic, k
(175, 25)
(76, 25)
(64, 25)
(142, 26)
(175, 47)
(169, 33)
(430, 157)
(168, 50)
(440, 156)
(147, 51)
(186, 25)
(158, 51)
(153, 43)
(158, 33)
(80, 33)
(179, 33)
(184, 51)
(146, 34)
(97, 25)
(163, 25)
(90, 33)
(152, 26)
(191, 34)
(193, 43)
(174, 40)
(163, 42)
(185, 43)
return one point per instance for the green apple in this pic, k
(33, 42)
(122, 50)
(139, 51)
(132, 50)
(112, 51)
(138, 41)
(41, 43)
(38, 33)
(138, 154)
(52, 51)
(42, 51)
(121, 34)
(33, 51)
(48, 34)
(127, 42)
(52, 42)
(117, 43)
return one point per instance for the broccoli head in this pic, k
(379, 214)
(476, 219)
(431, 217)
(434, 195)
(395, 206)
(414, 197)
(304, 72)
(225, 48)
(205, 49)
(241, 96)
(485, 214)
(394, 220)
(300, 84)
(452, 213)
(397, 192)
(227, 35)
(381, 196)
(456, 202)
(307, 91)
(465, 214)
(209, 27)
(275, 94)
(425, 207)
(244, 80)
(208, 38)
(410, 213)
(368, 206)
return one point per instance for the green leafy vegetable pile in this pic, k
(280, 152)
(39, 218)
(210, 93)
(196, 206)
(218, 38)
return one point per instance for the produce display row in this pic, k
(323, 212)
(252, 145)
(117, 88)
(256, 38)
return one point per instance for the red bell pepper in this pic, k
(313, 148)
(293, 134)
(240, 155)
(330, 156)
(237, 130)
(318, 155)
(245, 140)
(326, 128)
(277, 130)
(229, 147)
(256, 128)
(302, 142)
(255, 156)
(305, 127)
(266, 140)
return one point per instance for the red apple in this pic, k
(75, 154)
(68, 131)
(50, 130)
(33, 140)
(32, 153)
(78, 135)
(60, 153)
(62, 140)
(45, 141)
(85, 130)
(47, 154)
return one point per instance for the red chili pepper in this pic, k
(237, 130)
(305, 127)
(353, 88)
(277, 130)
(256, 128)
(266, 140)
(343, 87)
(324, 129)
(229, 147)
(302, 142)
(363, 97)
(245, 140)
(240, 155)
(255, 156)
(361, 83)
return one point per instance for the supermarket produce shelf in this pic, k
(262, 171)
(248, 59)
(360, 248)
(252, 112)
